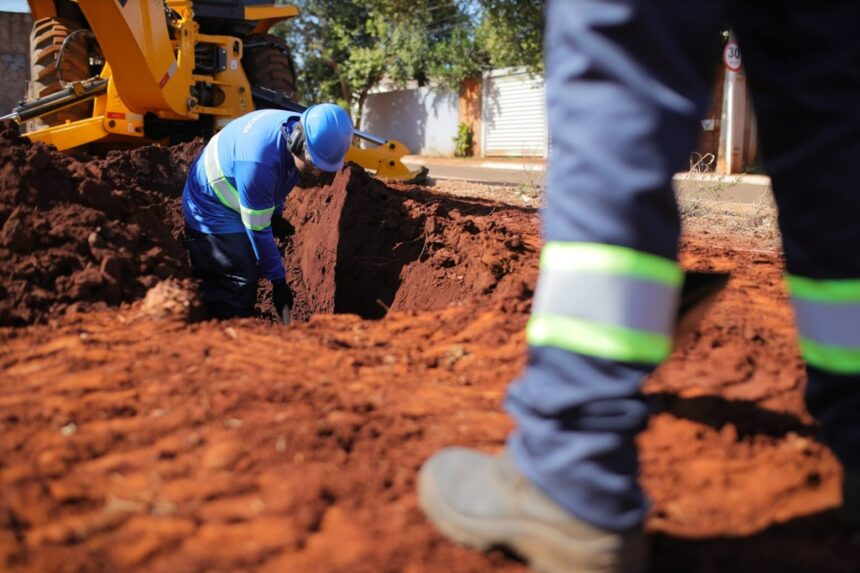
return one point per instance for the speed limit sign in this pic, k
(732, 57)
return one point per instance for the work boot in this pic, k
(484, 502)
(851, 500)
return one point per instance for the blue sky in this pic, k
(14, 6)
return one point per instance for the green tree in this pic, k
(345, 48)
(510, 33)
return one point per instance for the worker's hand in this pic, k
(282, 298)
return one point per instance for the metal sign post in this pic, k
(734, 109)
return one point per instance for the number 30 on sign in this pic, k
(732, 57)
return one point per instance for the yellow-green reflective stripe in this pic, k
(836, 359)
(256, 219)
(600, 340)
(610, 259)
(627, 302)
(828, 323)
(837, 290)
(226, 193)
(224, 190)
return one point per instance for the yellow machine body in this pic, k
(150, 70)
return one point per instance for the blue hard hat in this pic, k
(328, 133)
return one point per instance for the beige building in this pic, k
(14, 58)
(506, 112)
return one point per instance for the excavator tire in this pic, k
(269, 64)
(46, 39)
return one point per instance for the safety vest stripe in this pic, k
(828, 322)
(610, 260)
(256, 219)
(829, 291)
(225, 191)
(607, 299)
(831, 324)
(834, 359)
(600, 340)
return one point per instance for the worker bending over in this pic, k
(627, 83)
(235, 186)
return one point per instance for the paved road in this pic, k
(515, 175)
(746, 189)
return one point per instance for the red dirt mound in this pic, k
(83, 233)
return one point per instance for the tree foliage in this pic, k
(345, 48)
(510, 33)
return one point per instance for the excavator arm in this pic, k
(152, 77)
(162, 75)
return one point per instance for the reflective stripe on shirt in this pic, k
(254, 219)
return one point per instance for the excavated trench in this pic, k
(82, 233)
(359, 246)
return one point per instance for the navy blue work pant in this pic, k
(627, 83)
(226, 267)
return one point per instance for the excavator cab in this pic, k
(134, 72)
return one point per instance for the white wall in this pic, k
(424, 119)
(513, 114)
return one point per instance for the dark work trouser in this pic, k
(627, 83)
(227, 270)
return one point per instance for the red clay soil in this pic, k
(84, 233)
(359, 246)
(133, 440)
(132, 444)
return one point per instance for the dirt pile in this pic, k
(82, 232)
(359, 246)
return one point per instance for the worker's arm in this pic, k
(257, 184)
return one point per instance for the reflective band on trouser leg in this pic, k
(226, 193)
(828, 321)
(606, 301)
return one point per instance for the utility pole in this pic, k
(733, 119)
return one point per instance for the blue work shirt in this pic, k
(254, 157)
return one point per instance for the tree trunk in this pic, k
(362, 98)
(345, 90)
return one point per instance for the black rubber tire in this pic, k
(268, 63)
(45, 40)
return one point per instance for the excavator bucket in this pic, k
(386, 161)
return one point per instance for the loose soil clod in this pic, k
(172, 299)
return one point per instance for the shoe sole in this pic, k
(543, 547)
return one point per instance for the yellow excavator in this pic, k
(134, 72)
